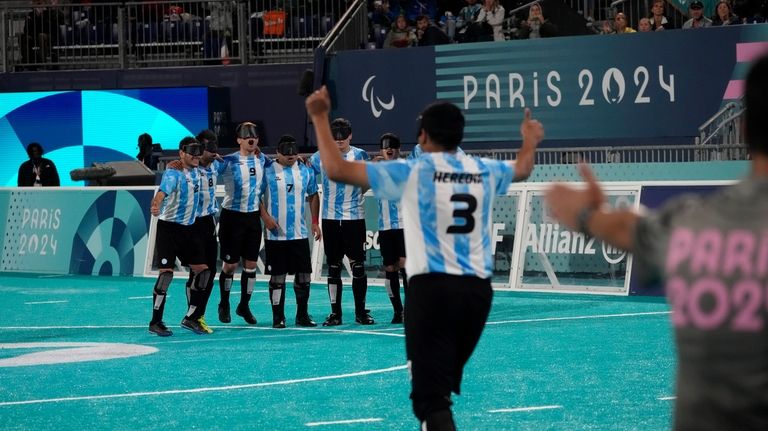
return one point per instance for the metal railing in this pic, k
(634, 154)
(724, 127)
(37, 35)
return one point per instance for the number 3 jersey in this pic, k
(181, 201)
(447, 204)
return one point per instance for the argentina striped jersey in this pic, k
(181, 190)
(208, 204)
(417, 152)
(390, 215)
(287, 190)
(341, 201)
(446, 201)
(243, 179)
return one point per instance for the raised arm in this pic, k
(532, 133)
(584, 210)
(343, 171)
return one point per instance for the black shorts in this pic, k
(288, 257)
(174, 240)
(344, 237)
(239, 236)
(444, 318)
(391, 245)
(205, 228)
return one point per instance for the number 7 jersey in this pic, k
(447, 202)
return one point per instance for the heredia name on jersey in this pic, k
(457, 178)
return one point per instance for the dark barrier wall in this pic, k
(618, 88)
(265, 94)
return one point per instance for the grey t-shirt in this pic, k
(713, 254)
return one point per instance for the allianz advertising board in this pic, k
(662, 84)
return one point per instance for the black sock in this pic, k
(393, 290)
(334, 293)
(225, 285)
(302, 298)
(278, 303)
(359, 290)
(405, 279)
(247, 280)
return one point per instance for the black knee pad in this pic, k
(277, 280)
(303, 278)
(200, 281)
(163, 282)
(358, 269)
(334, 270)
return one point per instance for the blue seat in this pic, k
(196, 30)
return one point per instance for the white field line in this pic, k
(204, 389)
(595, 316)
(45, 302)
(524, 409)
(344, 422)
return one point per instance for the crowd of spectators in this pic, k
(488, 20)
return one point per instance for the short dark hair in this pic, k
(145, 140)
(186, 141)
(341, 128)
(756, 104)
(421, 18)
(34, 145)
(207, 135)
(392, 140)
(444, 123)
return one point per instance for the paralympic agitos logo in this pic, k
(377, 105)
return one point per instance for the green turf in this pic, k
(604, 368)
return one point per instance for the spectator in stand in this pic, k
(427, 34)
(492, 13)
(724, 14)
(218, 38)
(752, 11)
(401, 36)
(644, 26)
(696, 12)
(658, 20)
(607, 27)
(40, 30)
(536, 25)
(620, 21)
(467, 15)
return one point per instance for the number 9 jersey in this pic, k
(447, 202)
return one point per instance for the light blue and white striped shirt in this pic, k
(181, 190)
(243, 179)
(447, 201)
(208, 204)
(390, 215)
(417, 152)
(287, 191)
(341, 201)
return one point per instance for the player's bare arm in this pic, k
(532, 132)
(585, 210)
(154, 209)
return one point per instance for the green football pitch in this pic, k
(75, 354)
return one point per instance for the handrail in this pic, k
(729, 120)
(727, 107)
(525, 6)
(344, 21)
(617, 2)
